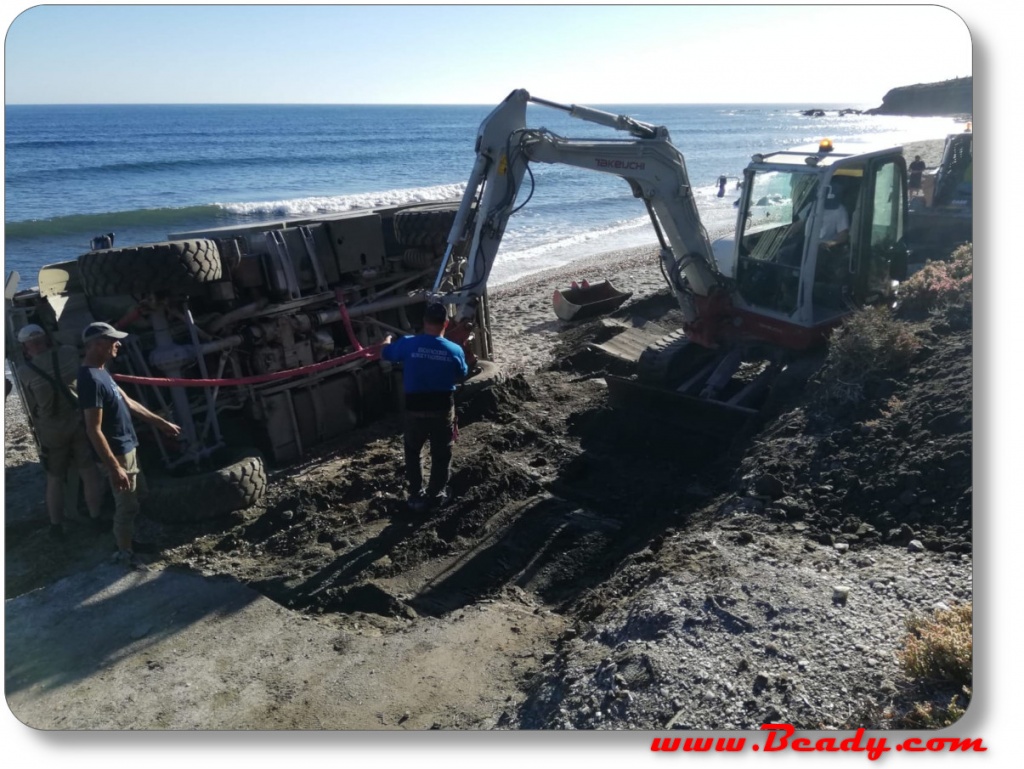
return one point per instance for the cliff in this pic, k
(950, 97)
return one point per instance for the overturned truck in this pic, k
(259, 340)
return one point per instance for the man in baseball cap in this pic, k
(101, 330)
(108, 423)
(48, 380)
(31, 331)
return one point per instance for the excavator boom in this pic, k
(654, 169)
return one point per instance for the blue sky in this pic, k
(475, 54)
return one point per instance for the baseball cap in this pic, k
(100, 329)
(30, 332)
(435, 312)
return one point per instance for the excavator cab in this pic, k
(818, 234)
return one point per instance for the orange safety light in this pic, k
(825, 145)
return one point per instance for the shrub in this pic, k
(938, 655)
(941, 648)
(931, 715)
(939, 284)
(869, 345)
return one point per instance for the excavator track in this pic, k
(671, 376)
(665, 362)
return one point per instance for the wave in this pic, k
(333, 204)
(573, 241)
(205, 164)
(170, 219)
(91, 224)
(33, 144)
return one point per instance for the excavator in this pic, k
(819, 233)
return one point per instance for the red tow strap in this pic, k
(367, 353)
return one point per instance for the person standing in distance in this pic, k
(108, 424)
(432, 366)
(916, 169)
(48, 378)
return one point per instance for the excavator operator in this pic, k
(835, 222)
(834, 230)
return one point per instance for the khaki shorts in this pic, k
(126, 502)
(59, 456)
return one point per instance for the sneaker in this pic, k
(418, 503)
(435, 501)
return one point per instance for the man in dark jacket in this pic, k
(432, 366)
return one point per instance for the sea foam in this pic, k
(331, 204)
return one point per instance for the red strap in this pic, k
(366, 353)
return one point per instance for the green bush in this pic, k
(940, 284)
(867, 347)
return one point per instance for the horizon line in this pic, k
(391, 104)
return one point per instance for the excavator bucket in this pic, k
(588, 301)
(719, 420)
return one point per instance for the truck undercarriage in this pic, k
(261, 340)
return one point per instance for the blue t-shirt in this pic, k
(97, 390)
(432, 363)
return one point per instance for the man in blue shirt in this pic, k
(108, 425)
(432, 366)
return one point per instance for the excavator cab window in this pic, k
(773, 237)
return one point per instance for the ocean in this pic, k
(143, 171)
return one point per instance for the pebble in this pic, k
(840, 594)
(915, 546)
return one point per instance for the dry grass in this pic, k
(939, 651)
(870, 345)
(929, 715)
(941, 648)
(892, 407)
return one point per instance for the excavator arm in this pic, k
(654, 169)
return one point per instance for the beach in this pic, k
(593, 570)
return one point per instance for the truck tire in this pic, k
(488, 374)
(182, 266)
(425, 226)
(191, 498)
